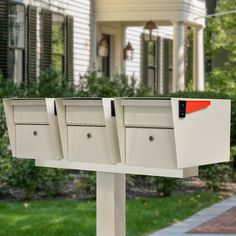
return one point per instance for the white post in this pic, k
(178, 57)
(198, 59)
(111, 204)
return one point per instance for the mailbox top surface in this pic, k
(29, 102)
(147, 98)
(83, 99)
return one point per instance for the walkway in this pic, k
(217, 220)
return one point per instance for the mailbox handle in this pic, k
(151, 138)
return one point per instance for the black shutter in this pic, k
(46, 39)
(32, 43)
(144, 61)
(167, 51)
(70, 48)
(4, 37)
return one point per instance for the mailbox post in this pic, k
(114, 137)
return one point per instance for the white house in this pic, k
(65, 34)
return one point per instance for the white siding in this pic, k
(81, 11)
(133, 68)
(133, 35)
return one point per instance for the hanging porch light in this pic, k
(129, 52)
(102, 48)
(150, 31)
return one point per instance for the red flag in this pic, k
(192, 106)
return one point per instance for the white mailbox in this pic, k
(33, 129)
(173, 133)
(88, 130)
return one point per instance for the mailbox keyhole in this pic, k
(35, 133)
(89, 136)
(151, 138)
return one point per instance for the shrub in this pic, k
(95, 85)
(23, 174)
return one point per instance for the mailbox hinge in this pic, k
(113, 110)
(55, 108)
(182, 109)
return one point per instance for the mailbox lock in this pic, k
(89, 135)
(151, 138)
(35, 133)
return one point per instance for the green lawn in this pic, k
(74, 218)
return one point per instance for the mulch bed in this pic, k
(223, 224)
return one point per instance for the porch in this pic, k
(120, 22)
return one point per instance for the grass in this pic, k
(74, 218)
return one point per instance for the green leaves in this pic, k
(220, 46)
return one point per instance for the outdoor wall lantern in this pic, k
(150, 31)
(129, 52)
(16, 26)
(103, 48)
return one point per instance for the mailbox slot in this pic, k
(29, 111)
(148, 114)
(82, 112)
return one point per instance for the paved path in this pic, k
(198, 219)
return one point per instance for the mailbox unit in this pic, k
(33, 129)
(173, 133)
(88, 130)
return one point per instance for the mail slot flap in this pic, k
(30, 111)
(84, 112)
(148, 113)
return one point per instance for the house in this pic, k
(66, 35)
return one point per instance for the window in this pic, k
(16, 26)
(106, 60)
(58, 43)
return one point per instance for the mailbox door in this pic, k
(87, 144)
(151, 148)
(33, 142)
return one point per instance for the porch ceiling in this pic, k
(134, 12)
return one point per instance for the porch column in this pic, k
(160, 57)
(178, 83)
(198, 59)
